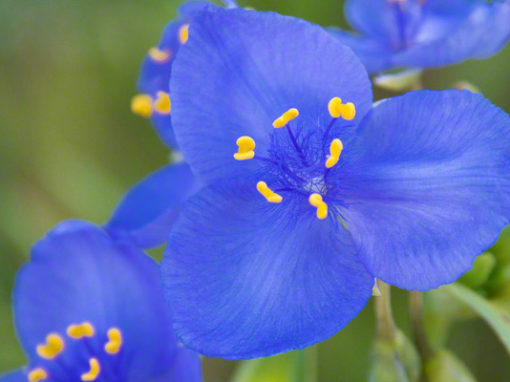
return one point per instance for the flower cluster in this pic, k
(296, 194)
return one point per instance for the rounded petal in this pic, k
(240, 70)
(247, 278)
(430, 190)
(185, 367)
(148, 210)
(483, 33)
(382, 20)
(76, 274)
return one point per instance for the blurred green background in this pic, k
(70, 147)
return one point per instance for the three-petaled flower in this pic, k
(312, 191)
(424, 33)
(90, 309)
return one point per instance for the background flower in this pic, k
(86, 305)
(418, 34)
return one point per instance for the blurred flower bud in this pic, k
(444, 366)
(479, 274)
(398, 82)
(395, 360)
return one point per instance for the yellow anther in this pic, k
(141, 104)
(85, 329)
(285, 118)
(245, 148)
(159, 55)
(270, 196)
(335, 149)
(114, 341)
(53, 347)
(94, 371)
(37, 375)
(162, 104)
(338, 109)
(322, 208)
(184, 34)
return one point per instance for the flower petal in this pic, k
(14, 376)
(430, 190)
(247, 278)
(484, 32)
(148, 210)
(76, 274)
(240, 70)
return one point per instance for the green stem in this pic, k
(418, 326)
(306, 365)
(386, 328)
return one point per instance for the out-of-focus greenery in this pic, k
(69, 146)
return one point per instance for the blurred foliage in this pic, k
(70, 147)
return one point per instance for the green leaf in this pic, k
(444, 366)
(495, 315)
(290, 367)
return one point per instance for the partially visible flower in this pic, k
(89, 309)
(311, 191)
(153, 83)
(424, 33)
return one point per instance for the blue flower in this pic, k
(89, 309)
(148, 210)
(311, 191)
(424, 33)
(153, 83)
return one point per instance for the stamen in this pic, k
(94, 371)
(285, 118)
(335, 149)
(269, 194)
(184, 34)
(375, 289)
(158, 55)
(337, 109)
(322, 208)
(162, 104)
(114, 341)
(53, 347)
(141, 104)
(37, 375)
(245, 148)
(79, 331)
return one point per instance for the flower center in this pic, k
(299, 160)
(55, 345)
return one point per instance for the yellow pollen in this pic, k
(184, 34)
(322, 208)
(159, 55)
(53, 347)
(335, 149)
(141, 104)
(245, 148)
(270, 196)
(85, 329)
(338, 109)
(114, 341)
(37, 375)
(162, 104)
(285, 118)
(94, 371)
